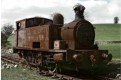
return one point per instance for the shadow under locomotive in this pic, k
(49, 44)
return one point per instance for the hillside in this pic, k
(108, 32)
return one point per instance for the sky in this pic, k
(97, 11)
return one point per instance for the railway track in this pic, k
(10, 59)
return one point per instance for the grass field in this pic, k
(114, 49)
(105, 32)
(20, 73)
(11, 39)
(109, 32)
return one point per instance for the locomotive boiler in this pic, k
(50, 44)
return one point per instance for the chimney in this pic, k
(79, 11)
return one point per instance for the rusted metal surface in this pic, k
(41, 36)
(21, 38)
(82, 58)
(31, 22)
(58, 19)
(78, 34)
(67, 34)
(38, 37)
(21, 24)
(15, 39)
(58, 57)
(32, 33)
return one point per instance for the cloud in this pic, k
(102, 11)
(18, 13)
(97, 11)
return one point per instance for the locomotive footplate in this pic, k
(31, 49)
(36, 49)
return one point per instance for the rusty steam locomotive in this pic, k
(49, 43)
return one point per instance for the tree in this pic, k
(6, 31)
(116, 19)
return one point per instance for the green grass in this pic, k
(11, 39)
(108, 31)
(21, 74)
(111, 32)
(114, 49)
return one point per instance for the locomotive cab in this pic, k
(29, 32)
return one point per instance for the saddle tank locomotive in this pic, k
(50, 44)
